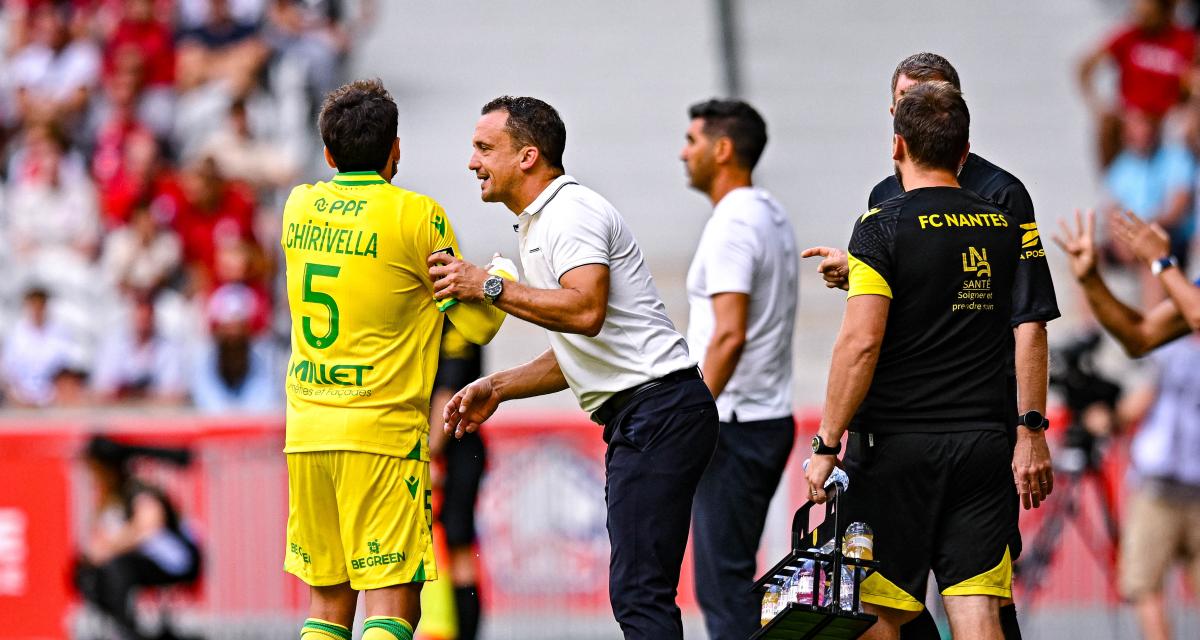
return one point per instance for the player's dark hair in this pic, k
(735, 120)
(926, 66)
(533, 123)
(358, 124)
(933, 119)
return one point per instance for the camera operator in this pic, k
(1163, 523)
(138, 539)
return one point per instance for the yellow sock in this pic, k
(385, 628)
(317, 629)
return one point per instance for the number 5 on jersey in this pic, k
(324, 299)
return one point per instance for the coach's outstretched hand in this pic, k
(834, 269)
(470, 407)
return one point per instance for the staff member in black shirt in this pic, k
(918, 377)
(1034, 303)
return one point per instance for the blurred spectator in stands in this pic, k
(309, 33)
(53, 222)
(1153, 57)
(235, 371)
(142, 256)
(140, 57)
(142, 178)
(239, 151)
(116, 123)
(137, 362)
(1155, 179)
(241, 263)
(53, 76)
(137, 538)
(207, 211)
(35, 350)
(222, 48)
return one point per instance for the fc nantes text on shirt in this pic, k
(365, 328)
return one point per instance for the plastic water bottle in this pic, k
(770, 604)
(846, 590)
(805, 581)
(859, 542)
(826, 576)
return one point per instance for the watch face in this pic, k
(816, 443)
(1032, 419)
(493, 286)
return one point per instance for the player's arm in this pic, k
(1138, 333)
(476, 320)
(855, 354)
(478, 401)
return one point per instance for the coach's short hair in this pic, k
(933, 119)
(358, 125)
(736, 120)
(533, 123)
(926, 66)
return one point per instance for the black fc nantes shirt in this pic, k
(1033, 296)
(947, 258)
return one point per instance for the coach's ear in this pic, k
(963, 159)
(329, 159)
(898, 148)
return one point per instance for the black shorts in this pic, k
(936, 501)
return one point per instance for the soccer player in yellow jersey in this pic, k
(366, 332)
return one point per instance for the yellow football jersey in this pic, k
(365, 328)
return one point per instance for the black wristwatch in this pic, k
(1033, 420)
(819, 447)
(492, 288)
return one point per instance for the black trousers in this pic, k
(731, 509)
(658, 447)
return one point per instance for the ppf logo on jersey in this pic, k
(976, 261)
(1031, 242)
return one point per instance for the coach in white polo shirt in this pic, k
(742, 288)
(611, 343)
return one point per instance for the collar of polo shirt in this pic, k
(548, 194)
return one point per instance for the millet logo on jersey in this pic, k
(1031, 242)
(976, 261)
(346, 375)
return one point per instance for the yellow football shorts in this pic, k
(358, 517)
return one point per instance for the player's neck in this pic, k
(726, 181)
(914, 177)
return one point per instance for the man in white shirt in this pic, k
(742, 289)
(611, 343)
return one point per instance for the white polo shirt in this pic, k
(569, 226)
(748, 247)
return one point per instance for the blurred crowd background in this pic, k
(146, 148)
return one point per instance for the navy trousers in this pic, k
(658, 447)
(731, 508)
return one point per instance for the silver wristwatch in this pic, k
(492, 288)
